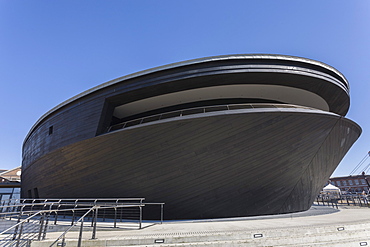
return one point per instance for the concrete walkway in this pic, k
(320, 226)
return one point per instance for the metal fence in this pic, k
(197, 110)
(25, 220)
(343, 200)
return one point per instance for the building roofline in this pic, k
(2, 173)
(350, 176)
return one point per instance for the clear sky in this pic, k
(53, 50)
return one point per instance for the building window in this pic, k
(36, 192)
(350, 182)
(357, 182)
(344, 182)
(363, 181)
(51, 130)
(338, 183)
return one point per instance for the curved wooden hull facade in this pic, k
(268, 159)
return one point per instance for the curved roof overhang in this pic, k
(324, 85)
(268, 92)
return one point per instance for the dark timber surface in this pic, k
(224, 165)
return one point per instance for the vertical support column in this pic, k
(73, 217)
(115, 217)
(161, 213)
(20, 235)
(92, 218)
(94, 227)
(140, 216)
(64, 240)
(80, 235)
(41, 226)
(19, 220)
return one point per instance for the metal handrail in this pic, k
(21, 222)
(343, 200)
(46, 208)
(69, 228)
(158, 203)
(96, 207)
(204, 109)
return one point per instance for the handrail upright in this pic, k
(93, 216)
(115, 214)
(80, 234)
(73, 212)
(115, 218)
(20, 234)
(141, 216)
(33, 201)
(162, 213)
(41, 225)
(95, 222)
(56, 212)
(73, 217)
(19, 220)
(62, 236)
(47, 221)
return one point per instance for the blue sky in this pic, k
(53, 50)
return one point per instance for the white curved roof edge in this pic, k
(184, 63)
(210, 59)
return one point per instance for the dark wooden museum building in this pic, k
(223, 136)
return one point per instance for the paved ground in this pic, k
(318, 217)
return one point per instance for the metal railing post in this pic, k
(45, 227)
(19, 220)
(104, 214)
(94, 227)
(115, 217)
(120, 215)
(140, 216)
(47, 222)
(56, 217)
(161, 213)
(19, 235)
(92, 218)
(63, 241)
(73, 217)
(80, 235)
(41, 226)
(56, 212)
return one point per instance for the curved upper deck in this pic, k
(298, 80)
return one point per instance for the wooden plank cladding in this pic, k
(270, 157)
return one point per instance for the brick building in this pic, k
(356, 183)
(10, 184)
